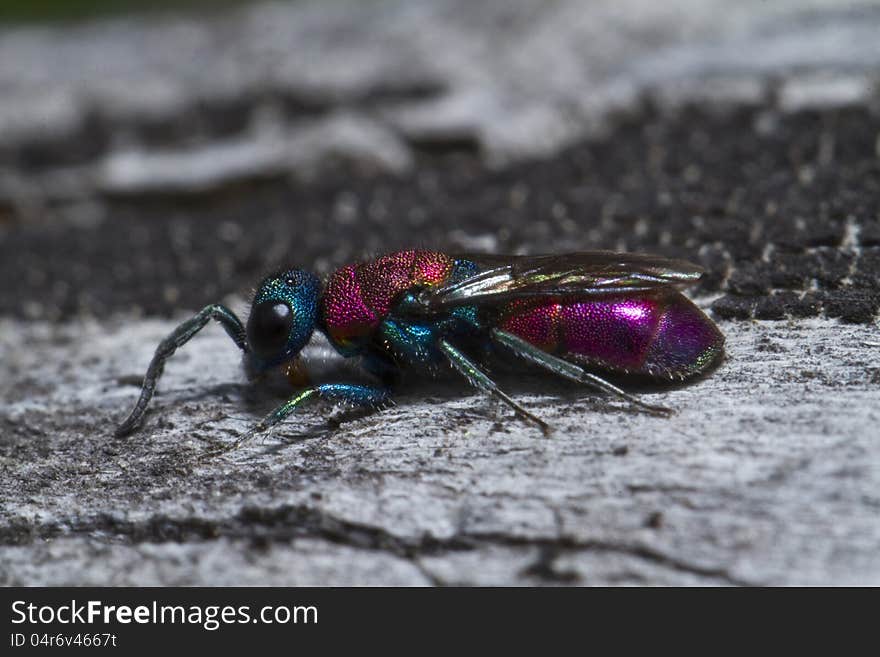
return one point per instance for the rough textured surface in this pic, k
(767, 475)
(148, 167)
(781, 232)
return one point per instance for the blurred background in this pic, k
(155, 156)
(22, 11)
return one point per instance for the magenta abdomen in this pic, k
(661, 335)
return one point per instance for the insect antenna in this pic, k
(176, 339)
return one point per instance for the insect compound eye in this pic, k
(268, 328)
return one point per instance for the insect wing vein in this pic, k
(586, 274)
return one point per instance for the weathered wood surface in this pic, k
(768, 474)
(150, 166)
(133, 106)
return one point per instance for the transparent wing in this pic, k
(588, 273)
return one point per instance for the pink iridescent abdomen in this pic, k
(661, 335)
(358, 297)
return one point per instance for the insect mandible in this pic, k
(574, 315)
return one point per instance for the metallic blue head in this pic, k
(282, 318)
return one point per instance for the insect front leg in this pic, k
(570, 371)
(178, 337)
(479, 379)
(349, 393)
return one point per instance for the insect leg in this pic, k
(479, 379)
(350, 393)
(570, 371)
(178, 337)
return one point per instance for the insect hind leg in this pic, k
(479, 379)
(176, 339)
(570, 371)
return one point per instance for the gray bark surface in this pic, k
(149, 166)
(768, 474)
